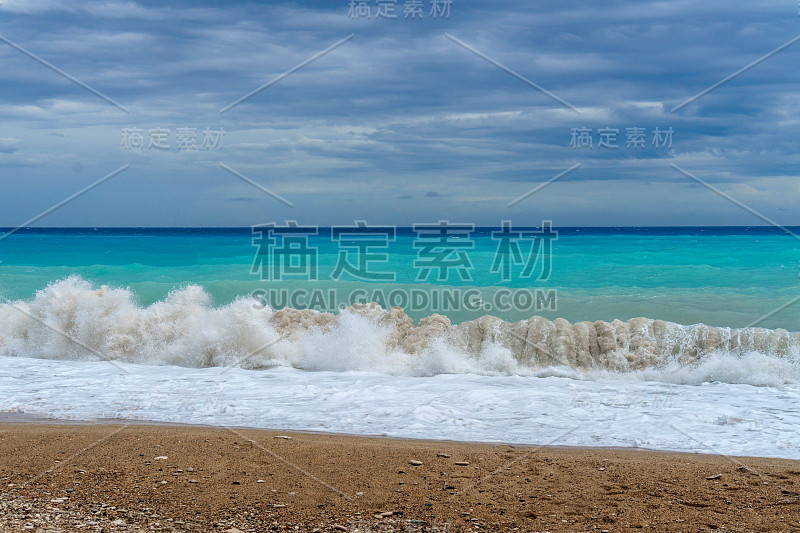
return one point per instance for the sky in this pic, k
(435, 116)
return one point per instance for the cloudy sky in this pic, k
(404, 121)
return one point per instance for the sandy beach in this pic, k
(114, 477)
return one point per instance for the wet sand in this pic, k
(113, 477)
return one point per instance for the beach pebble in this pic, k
(414, 462)
(715, 476)
(193, 481)
(461, 463)
(443, 455)
(286, 437)
(260, 481)
(161, 458)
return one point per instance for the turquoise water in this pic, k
(717, 276)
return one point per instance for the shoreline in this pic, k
(22, 419)
(111, 476)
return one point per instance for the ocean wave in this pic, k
(71, 319)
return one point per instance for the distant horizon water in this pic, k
(728, 276)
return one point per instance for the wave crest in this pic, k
(70, 319)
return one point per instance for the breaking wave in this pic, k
(72, 320)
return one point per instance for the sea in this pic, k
(680, 339)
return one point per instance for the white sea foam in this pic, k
(709, 418)
(71, 320)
